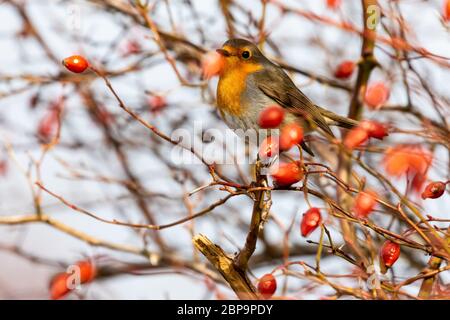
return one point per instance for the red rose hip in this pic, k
(446, 13)
(310, 221)
(434, 190)
(287, 174)
(267, 286)
(87, 271)
(376, 95)
(271, 117)
(374, 129)
(365, 202)
(390, 252)
(291, 135)
(355, 138)
(58, 286)
(75, 63)
(212, 64)
(345, 70)
(333, 4)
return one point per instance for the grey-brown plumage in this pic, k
(269, 84)
(290, 97)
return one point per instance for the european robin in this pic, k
(249, 82)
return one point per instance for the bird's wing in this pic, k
(276, 84)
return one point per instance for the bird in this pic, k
(250, 82)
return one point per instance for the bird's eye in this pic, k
(245, 54)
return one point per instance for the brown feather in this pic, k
(276, 84)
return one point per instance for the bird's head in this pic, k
(242, 54)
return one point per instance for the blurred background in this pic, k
(108, 164)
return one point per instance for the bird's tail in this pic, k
(340, 121)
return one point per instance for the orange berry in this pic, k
(376, 95)
(267, 286)
(365, 202)
(396, 161)
(310, 221)
(75, 63)
(291, 135)
(410, 158)
(212, 64)
(375, 129)
(355, 137)
(344, 70)
(271, 117)
(287, 174)
(447, 10)
(58, 286)
(434, 190)
(333, 4)
(390, 252)
(87, 271)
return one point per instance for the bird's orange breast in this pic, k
(232, 83)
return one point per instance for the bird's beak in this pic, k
(223, 52)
